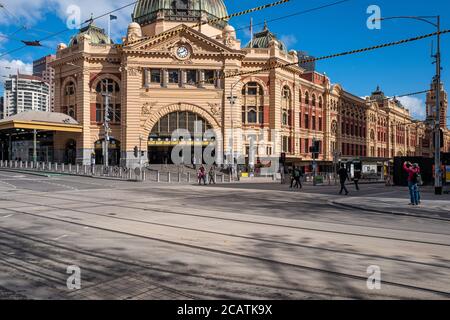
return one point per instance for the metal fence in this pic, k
(120, 173)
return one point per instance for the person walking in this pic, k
(356, 179)
(291, 175)
(211, 175)
(297, 178)
(201, 175)
(413, 171)
(343, 177)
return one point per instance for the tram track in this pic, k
(165, 211)
(246, 256)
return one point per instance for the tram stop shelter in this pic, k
(29, 136)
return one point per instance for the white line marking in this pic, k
(9, 215)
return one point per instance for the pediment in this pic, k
(181, 35)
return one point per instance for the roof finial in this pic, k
(265, 25)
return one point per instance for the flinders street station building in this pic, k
(157, 84)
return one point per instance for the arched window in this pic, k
(300, 96)
(253, 103)
(306, 97)
(320, 102)
(69, 100)
(178, 120)
(313, 100)
(108, 89)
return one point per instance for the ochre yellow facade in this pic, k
(186, 74)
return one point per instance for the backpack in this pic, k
(416, 178)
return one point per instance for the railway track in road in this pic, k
(45, 262)
(254, 257)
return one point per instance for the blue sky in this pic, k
(398, 70)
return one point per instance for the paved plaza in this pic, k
(245, 240)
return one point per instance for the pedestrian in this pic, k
(292, 177)
(356, 179)
(212, 174)
(297, 177)
(201, 175)
(413, 171)
(92, 163)
(343, 177)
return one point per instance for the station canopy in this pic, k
(42, 121)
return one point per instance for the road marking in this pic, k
(60, 237)
(9, 215)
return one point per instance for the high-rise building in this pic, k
(303, 62)
(1, 108)
(25, 93)
(42, 69)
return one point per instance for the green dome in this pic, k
(146, 11)
(97, 35)
(262, 40)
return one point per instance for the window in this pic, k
(173, 76)
(306, 98)
(69, 100)
(286, 104)
(314, 122)
(300, 121)
(253, 114)
(191, 77)
(210, 76)
(313, 100)
(306, 121)
(320, 124)
(320, 102)
(155, 76)
(285, 118)
(110, 87)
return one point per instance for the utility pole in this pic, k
(437, 136)
(107, 95)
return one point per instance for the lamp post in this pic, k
(437, 56)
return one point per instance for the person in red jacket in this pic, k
(413, 182)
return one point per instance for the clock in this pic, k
(182, 52)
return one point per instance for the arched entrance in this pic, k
(113, 152)
(70, 152)
(161, 142)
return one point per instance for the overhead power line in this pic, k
(160, 35)
(237, 14)
(346, 53)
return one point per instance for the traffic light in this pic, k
(315, 148)
(136, 152)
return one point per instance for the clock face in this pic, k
(182, 52)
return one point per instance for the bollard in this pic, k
(70, 168)
(168, 177)
(179, 177)
(222, 178)
(158, 178)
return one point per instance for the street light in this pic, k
(437, 155)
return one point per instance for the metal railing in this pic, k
(119, 173)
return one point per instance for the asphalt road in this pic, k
(231, 241)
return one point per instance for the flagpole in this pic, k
(251, 32)
(109, 29)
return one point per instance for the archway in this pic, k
(161, 141)
(113, 152)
